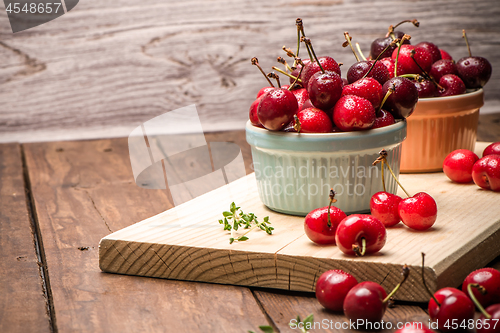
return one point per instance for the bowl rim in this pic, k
(467, 94)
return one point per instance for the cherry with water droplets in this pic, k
(332, 288)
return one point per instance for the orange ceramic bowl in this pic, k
(437, 127)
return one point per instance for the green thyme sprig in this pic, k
(235, 219)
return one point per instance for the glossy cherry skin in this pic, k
(296, 71)
(489, 278)
(316, 224)
(368, 88)
(458, 165)
(302, 97)
(325, 89)
(486, 172)
(359, 69)
(425, 88)
(452, 84)
(353, 113)
(492, 149)
(384, 118)
(328, 64)
(357, 226)
(454, 305)
(474, 71)
(385, 207)
(443, 67)
(365, 302)
(390, 64)
(432, 49)
(379, 44)
(422, 57)
(264, 90)
(403, 100)
(314, 120)
(445, 55)
(418, 212)
(494, 312)
(252, 114)
(276, 108)
(332, 288)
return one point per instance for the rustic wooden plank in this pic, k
(283, 308)
(288, 259)
(85, 190)
(23, 306)
(104, 68)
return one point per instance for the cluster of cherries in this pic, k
(450, 308)
(464, 166)
(360, 234)
(377, 91)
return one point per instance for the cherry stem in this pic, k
(299, 61)
(283, 61)
(297, 126)
(392, 27)
(405, 37)
(360, 52)
(348, 39)
(287, 74)
(378, 57)
(383, 157)
(332, 200)
(383, 179)
(464, 35)
(387, 94)
(425, 285)
(405, 272)
(474, 299)
(307, 46)
(360, 252)
(300, 27)
(289, 52)
(276, 77)
(255, 62)
(308, 43)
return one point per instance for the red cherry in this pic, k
(418, 212)
(368, 88)
(425, 88)
(358, 70)
(492, 149)
(314, 120)
(458, 165)
(452, 84)
(254, 119)
(455, 307)
(325, 89)
(390, 64)
(432, 49)
(490, 325)
(489, 279)
(445, 55)
(384, 118)
(353, 113)
(486, 172)
(276, 108)
(328, 64)
(296, 71)
(422, 57)
(359, 231)
(332, 288)
(263, 91)
(385, 207)
(321, 228)
(302, 98)
(403, 100)
(443, 67)
(365, 302)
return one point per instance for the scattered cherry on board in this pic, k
(332, 288)
(320, 225)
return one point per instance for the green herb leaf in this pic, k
(266, 329)
(242, 238)
(227, 214)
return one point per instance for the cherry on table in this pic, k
(486, 172)
(320, 225)
(332, 288)
(418, 212)
(490, 324)
(454, 307)
(458, 165)
(492, 149)
(385, 207)
(360, 234)
(489, 279)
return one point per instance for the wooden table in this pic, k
(58, 199)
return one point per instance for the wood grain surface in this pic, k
(83, 191)
(23, 306)
(104, 68)
(186, 243)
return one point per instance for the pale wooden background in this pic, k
(107, 66)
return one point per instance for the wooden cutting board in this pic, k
(188, 243)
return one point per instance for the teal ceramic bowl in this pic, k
(295, 172)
